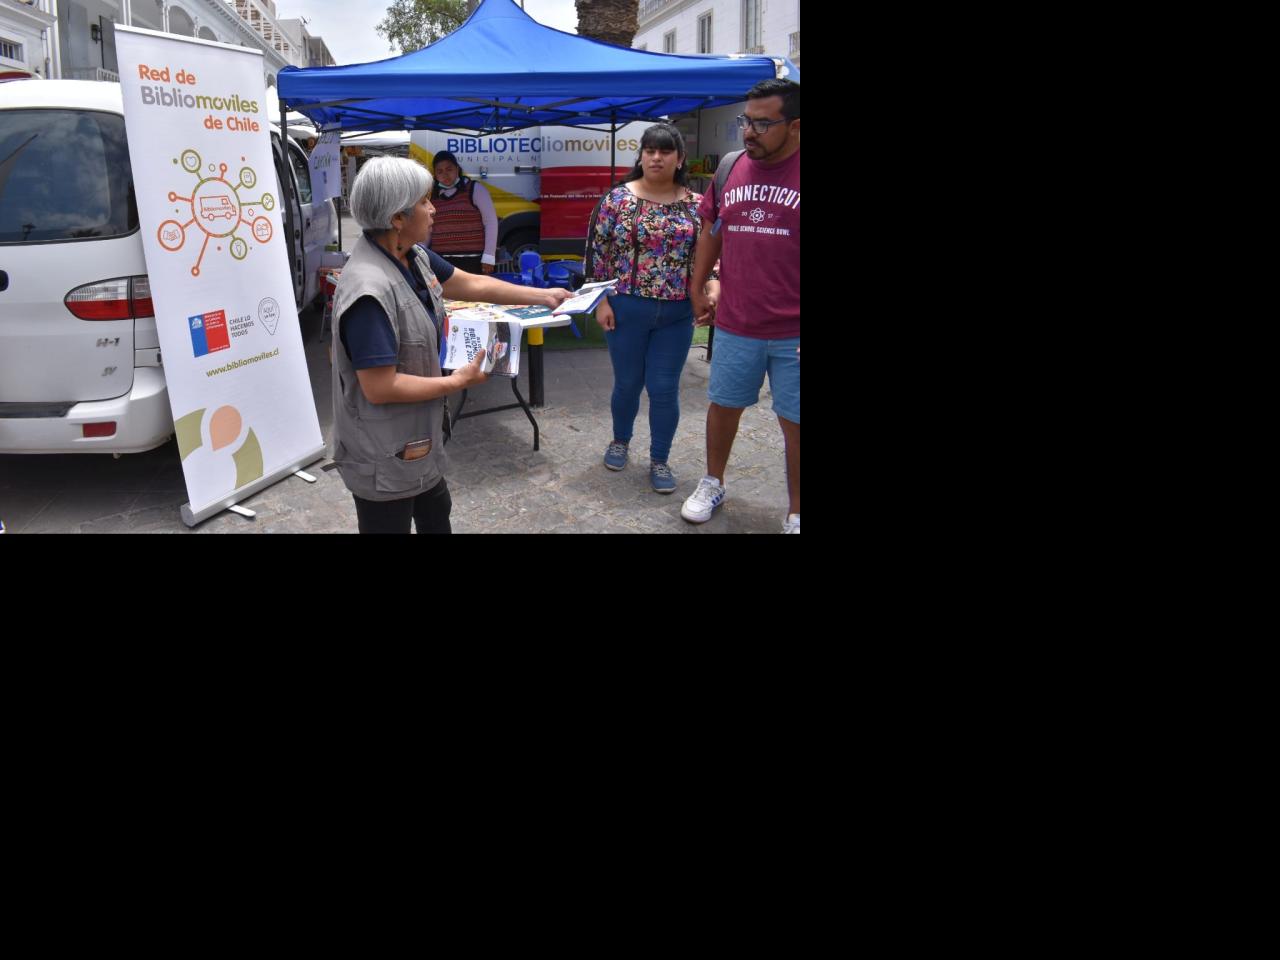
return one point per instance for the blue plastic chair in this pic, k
(531, 268)
(570, 269)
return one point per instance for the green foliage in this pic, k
(413, 24)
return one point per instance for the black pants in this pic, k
(469, 263)
(429, 512)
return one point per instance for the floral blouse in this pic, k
(648, 246)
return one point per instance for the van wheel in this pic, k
(519, 241)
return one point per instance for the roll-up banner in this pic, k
(209, 207)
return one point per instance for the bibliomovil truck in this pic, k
(545, 181)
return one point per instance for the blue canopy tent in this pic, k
(502, 71)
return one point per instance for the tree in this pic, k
(613, 21)
(413, 24)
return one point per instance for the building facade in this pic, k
(24, 27)
(314, 50)
(770, 27)
(75, 39)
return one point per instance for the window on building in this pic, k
(669, 42)
(751, 25)
(704, 33)
(10, 49)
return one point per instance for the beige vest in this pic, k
(367, 436)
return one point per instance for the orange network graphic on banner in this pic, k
(217, 208)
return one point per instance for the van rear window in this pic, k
(64, 175)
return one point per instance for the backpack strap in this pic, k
(722, 177)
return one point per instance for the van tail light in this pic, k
(105, 300)
(123, 298)
(141, 297)
(107, 429)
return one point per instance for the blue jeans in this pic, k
(648, 349)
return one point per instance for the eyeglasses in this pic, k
(761, 127)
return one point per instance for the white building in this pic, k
(290, 38)
(75, 39)
(771, 27)
(314, 50)
(24, 29)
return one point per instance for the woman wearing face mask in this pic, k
(644, 232)
(466, 228)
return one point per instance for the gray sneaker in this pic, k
(661, 477)
(792, 523)
(615, 457)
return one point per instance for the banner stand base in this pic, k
(191, 518)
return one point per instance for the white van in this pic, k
(80, 365)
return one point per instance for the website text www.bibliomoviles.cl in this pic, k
(234, 364)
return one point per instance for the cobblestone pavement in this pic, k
(499, 483)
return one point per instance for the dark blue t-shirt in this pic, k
(366, 329)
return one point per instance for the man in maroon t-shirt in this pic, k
(753, 228)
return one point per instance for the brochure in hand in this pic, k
(587, 297)
(475, 327)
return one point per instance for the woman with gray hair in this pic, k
(388, 388)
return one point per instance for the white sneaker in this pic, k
(792, 523)
(699, 507)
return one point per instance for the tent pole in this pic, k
(613, 147)
(701, 149)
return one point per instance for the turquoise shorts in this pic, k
(738, 366)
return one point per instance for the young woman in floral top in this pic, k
(644, 233)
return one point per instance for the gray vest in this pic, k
(367, 436)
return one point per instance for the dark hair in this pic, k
(440, 158)
(788, 90)
(446, 155)
(661, 136)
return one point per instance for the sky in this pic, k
(347, 26)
